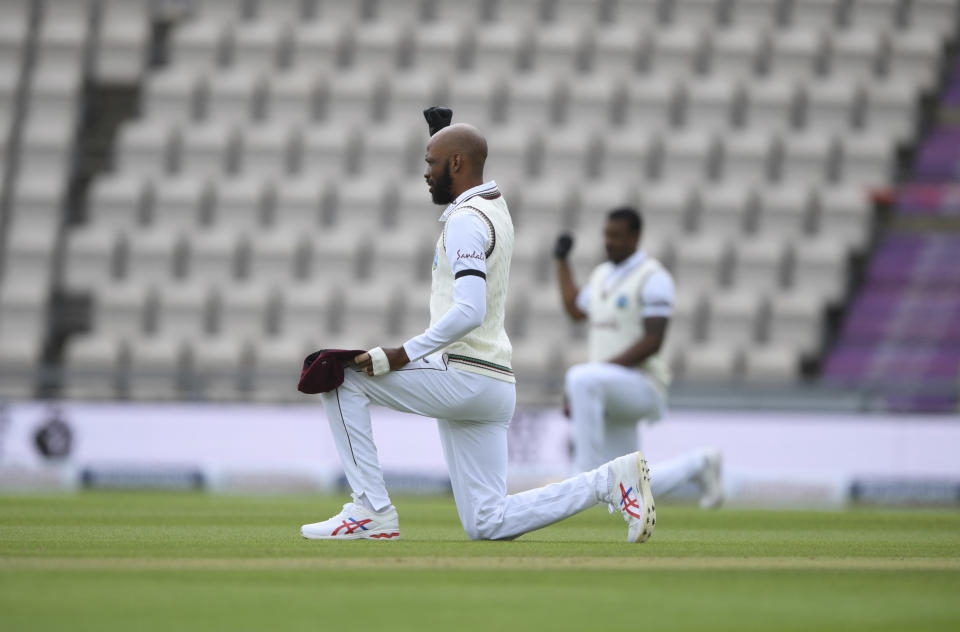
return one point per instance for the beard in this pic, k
(442, 188)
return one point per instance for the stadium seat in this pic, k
(222, 10)
(687, 320)
(933, 16)
(757, 14)
(735, 53)
(688, 157)
(891, 108)
(153, 256)
(245, 311)
(321, 46)
(52, 97)
(276, 366)
(19, 361)
(533, 101)
(92, 255)
(234, 96)
(144, 148)
(643, 13)
(439, 49)
(201, 44)
(701, 262)
(369, 316)
(354, 98)
(62, 44)
(120, 56)
(178, 202)
(361, 205)
(512, 152)
(334, 256)
(219, 368)
(392, 151)
(816, 14)
(667, 210)
(831, 106)
(771, 364)
(172, 95)
(157, 368)
(293, 97)
(37, 199)
(796, 54)
(299, 203)
(184, 310)
(734, 317)
(795, 319)
(596, 199)
(262, 46)
(758, 265)
(875, 15)
(591, 102)
(408, 95)
(570, 154)
(747, 158)
(240, 202)
(677, 51)
(711, 105)
(501, 51)
(29, 255)
(652, 103)
(559, 49)
(379, 47)
(711, 362)
(772, 105)
(458, 11)
(588, 12)
(95, 365)
(702, 13)
(309, 309)
(820, 267)
(403, 261)
(329, 151)
(283, 11)
(339, 12)
(914, 56)
(277, 256)
(474, 98)
(724, 209)
(845, 214)
(808, 158)
(213, 255)
(856, 54)
(784, 210)
(121, 310)
(208, 150)
(866, 160)
(45, 149)
(268, 150)
(619, 50)
(400, 11)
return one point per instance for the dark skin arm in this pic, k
(655, 330)
(396, 355)
(568, 290)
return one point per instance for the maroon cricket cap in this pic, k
(323, 370)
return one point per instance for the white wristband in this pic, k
(381, 365)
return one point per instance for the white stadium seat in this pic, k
(587, 12)
(757, 14)
(856, 54)
(795, 319)
(876, 15)
(144, 147)
(677, 51)
(173, 94)
(177, 202)
(529, 12)
(91, 253)
(121, 50)
(299, 203)
(152, 256)
(704, 13)
(200, 44)
(94, 365)
(321, 46)
(156, 367)
(724, 209)
(267, 150)
(796, 54)
(891, 108)
(711, 105)
(511, 152)
(734, 317)
(736, 53)
(351, 99)
(784, 210)
(667, 209)
(820, 268)
(225, 10)
(771, 105)
(121, 310)
(914, 56)
(815, 14)
(688, 157)
(244, 310)
(379, 46)
(831, 106)
(208, 150)
(409, 94)
(500, 51)
(400, 11)
(328, 151)
(240, 202)
(747, 157)
(277, 256)
(618, 50)
(808, 158)
(559, 49)
(280, 11)
(392, 151)
(117, 201)
(262, 46)
(713, 361)
(643, 13)
(701, 262)
(652, 103)
(439, 48)
(590, 102)
(213, 255)
(759, 265)
(933, 16)
(866, 160)
(569, 154)
(771, 364)
(472, 97)
(184, 310)
(845, 214)
(234, 96)
(293, 96)
(338, 11)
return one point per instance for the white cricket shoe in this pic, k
(356, 522)
(711, 480)
(631, 494)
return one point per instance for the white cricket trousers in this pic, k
(606, 402)
(473, 413)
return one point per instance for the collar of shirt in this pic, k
(624, 267)
(486, 187)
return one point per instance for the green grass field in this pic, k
(117, 561)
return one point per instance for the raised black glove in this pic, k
(563, 247)
(437, 117)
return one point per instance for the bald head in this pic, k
(455, 158)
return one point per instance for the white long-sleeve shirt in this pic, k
(466, 242)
